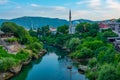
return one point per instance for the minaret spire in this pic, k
(70, 22)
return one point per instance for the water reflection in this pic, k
(53, 66)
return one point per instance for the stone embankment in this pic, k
(16, 69)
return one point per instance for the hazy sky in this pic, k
(87, 9)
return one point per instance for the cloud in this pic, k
(113, 4)
(3, 1)
(34, 5)
(59, 8)
(82, 2)
(88, 9)
(44, 11)
(94, 3)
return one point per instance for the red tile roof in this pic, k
(103, 25)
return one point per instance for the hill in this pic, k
(35, 22)
(83, 20)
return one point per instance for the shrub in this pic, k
(6, 63)
(107, 72)
(93, 62)
(35, 47)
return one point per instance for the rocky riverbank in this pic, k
(81, 68)
(16, 69)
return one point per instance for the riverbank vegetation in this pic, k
(30, 47)
(89, 43)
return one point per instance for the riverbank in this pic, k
(52, 66)
(16, 69)
(82, 68)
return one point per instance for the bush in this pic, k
(107, 72)
(83, 53)
(22, 55)
(6, 63)
(35, 47)
(93, 62)
(12, 39)
(73, 43)
(91, 75)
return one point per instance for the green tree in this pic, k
(45, 30)
(93, 62)
(72, 43)
(83, 53)
(107, 72)
(18, 31)
(63, 29)
(83, 27)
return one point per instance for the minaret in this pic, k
(70, 23)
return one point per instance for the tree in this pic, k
(63, 29)
(9, 27)
(93, 62)
(45, 30)
(32, 33)
(72, 43)
(39, 32)
(83, 53)
(108, 72)
(118, 20)
(83, 27)
(6, 63)
(18, 31)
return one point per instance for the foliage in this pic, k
(87, 29)
(83, 53)
(6, 63)
(8, 60)
(91, 75)
(35, 47)
(45, 31)
(22, 55)
(32, 33)
(109, 34)
(108, 72)
(73, 43)
(12, 39)
(63, 29)
(18, 31)
(118, 20)
(93, 62)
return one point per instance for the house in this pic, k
(53, 30)
(103, 25)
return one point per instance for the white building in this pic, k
(53, 30)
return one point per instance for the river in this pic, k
(52, 66)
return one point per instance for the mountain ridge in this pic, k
(35, 22)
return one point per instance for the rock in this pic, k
(83, 68)
(27, 61)
(64, 48)
(43, 50)
(6, 75)
(16, 69)
(69, 67)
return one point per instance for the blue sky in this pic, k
(87, 9)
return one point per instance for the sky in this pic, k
(81, 9)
